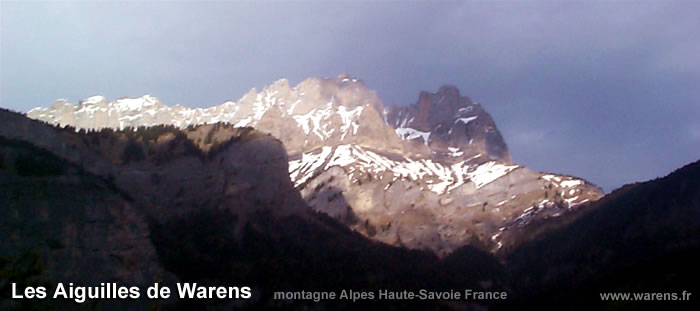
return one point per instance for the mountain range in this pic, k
(435, 175)
(214, 204)
(323, 187)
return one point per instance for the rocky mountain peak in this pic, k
(447, 96)
(444, 105)
(446, 121)
(449, 89)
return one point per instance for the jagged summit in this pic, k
(435, 175)
(97, 112)
(313, 113)
(449, 123)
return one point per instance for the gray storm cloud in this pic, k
(604, 90)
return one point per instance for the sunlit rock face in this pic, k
(433, 175)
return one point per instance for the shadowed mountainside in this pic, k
(643, 237)
(219, 211)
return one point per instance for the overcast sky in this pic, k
(608, 91)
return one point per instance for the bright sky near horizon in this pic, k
(604, 90)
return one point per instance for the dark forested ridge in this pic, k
(643, 237)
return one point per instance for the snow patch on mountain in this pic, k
(488, 172)
(455, 152)
(466, 120)
(438, 177)
(407, 133)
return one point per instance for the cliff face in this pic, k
(147, 163)
(101, 206)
